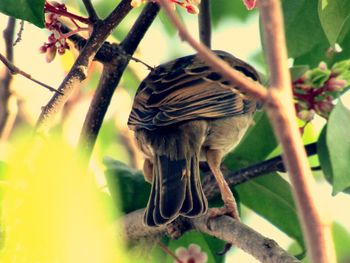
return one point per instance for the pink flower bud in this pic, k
(250, 4)
(192, 9)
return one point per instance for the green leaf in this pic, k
(334, 15)
(297, 71)
(209, 245)
(29, 10)
(303, 28)
(338, 144)
(341, 237)
(270, 196)
(323, 156)
(127, 186)
(224, 9)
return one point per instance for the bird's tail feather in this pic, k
(176, 189)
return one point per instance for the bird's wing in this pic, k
(186, 89)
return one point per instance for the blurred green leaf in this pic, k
(334, 15)
(127, 186)
(225, 9)
(270, 196)
(209, 245)
(323, 156)
(297, 71)
(341, 239)
(338, 144)
(29, 10)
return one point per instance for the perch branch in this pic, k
(281, 110)
(224, 227)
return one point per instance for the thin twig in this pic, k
(15, 70)
(93, 17)
(101, 30)
(19, 34)
(111, 75)
(169, 252)
(281, 110)
(204, 22)
(224, 228)
(236, 77)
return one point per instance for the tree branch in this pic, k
(93, 17)
(224, 227)
(248, 85)
(111, 76)
(280, 108)
(101, 30)
(204, 22)
(7, 117)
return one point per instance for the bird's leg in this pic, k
(148, 170)
(214, 160)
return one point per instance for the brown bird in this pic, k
(185, 112)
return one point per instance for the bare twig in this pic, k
(111, 75)
(93, 17)
(280, 108)
(19, 34)
(224, 227)
(236, 77)
(204, 22)
(7, 117)
(101, 30)
(15, 70)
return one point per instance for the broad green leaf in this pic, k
(126, 185)
(338, 144)
(270, 196)
(29, 10)
(334, 15)
(303, 29)
(209, 245)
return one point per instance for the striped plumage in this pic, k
(184, 112)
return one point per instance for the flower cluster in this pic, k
(189, 5)
(57, 40)
(191, 255)
(315, 91)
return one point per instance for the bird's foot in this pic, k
(229, 210)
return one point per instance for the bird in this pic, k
(185, 112)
